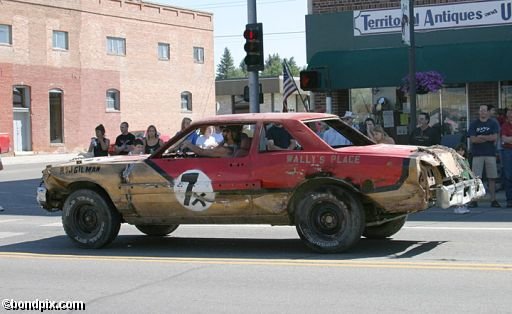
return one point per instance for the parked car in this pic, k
(138, 134)
(333, 195)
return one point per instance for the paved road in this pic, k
(439, 262)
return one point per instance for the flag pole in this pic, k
(298, 90)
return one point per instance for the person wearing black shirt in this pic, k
(424, 135)
(124, 141)
(279, 139)
(99, 144)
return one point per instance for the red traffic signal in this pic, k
(253, 35)
(309, 80)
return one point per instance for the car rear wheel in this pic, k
(89, 219)
(330, 221)
(156, 230)
(385, 230)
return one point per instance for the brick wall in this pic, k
(332, 6)
(150, 89)
(485, 93)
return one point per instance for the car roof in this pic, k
(268, 116)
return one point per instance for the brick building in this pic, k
(357, 48)
(69, 65)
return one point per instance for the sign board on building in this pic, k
(427, 18)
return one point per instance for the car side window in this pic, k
(275, 136)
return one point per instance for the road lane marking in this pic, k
(459, 228)
(4, 235)
(54, 224)
(271, 262)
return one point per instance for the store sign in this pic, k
(460, 15)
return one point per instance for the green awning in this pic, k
(458, 63)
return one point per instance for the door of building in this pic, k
(22, 140)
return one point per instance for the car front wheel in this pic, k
(156, 230)
(89, 219)
(330, 221)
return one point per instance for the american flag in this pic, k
(289, 86)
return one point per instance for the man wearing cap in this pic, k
(348, 118)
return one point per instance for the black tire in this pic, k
(331, 221)
(89, 219)
(156, 230)
(385, 230)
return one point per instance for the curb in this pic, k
(34, 159)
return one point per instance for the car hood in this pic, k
(105, 160)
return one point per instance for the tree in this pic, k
(226, 65)
(273, 65)
(293, 66)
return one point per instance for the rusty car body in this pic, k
(332, 194)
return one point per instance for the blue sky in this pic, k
(283, 25)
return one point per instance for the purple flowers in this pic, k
(426, 82)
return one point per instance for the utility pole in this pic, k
(254, 102)
(412, 66)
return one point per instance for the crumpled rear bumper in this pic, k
(459, 193)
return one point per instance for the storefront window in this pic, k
(361, 103)
(506, 94)
(454, 109)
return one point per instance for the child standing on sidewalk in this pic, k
(461, 150)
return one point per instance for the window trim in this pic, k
(66, 40)
(62, 128)
(197, 55)
(168, 51)
(117, 100)
(115, 51)
(9, 34)
(189, 104)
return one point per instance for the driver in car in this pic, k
(231, 143)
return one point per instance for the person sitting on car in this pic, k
(124, 141)
(279, 139)
(232, 136)
(152, 142)
(99, 144)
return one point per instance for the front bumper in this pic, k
(459, 193)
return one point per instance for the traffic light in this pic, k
(309, 80)
(253, 35)
(246, 94)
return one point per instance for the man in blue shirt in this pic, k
(483, 133)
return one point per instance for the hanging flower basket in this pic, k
(426, 82)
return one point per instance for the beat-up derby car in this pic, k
(271, 168)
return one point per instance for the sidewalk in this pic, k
(37, 158)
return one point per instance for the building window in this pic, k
(5, 34)
(112, 101)
(506, 94)
(198, 55)
(186, 101)
(60, 40)
(163, 51)
(56, 125)
(116, 46)
(20, 97)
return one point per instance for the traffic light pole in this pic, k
(412, 66)
(254, 101)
